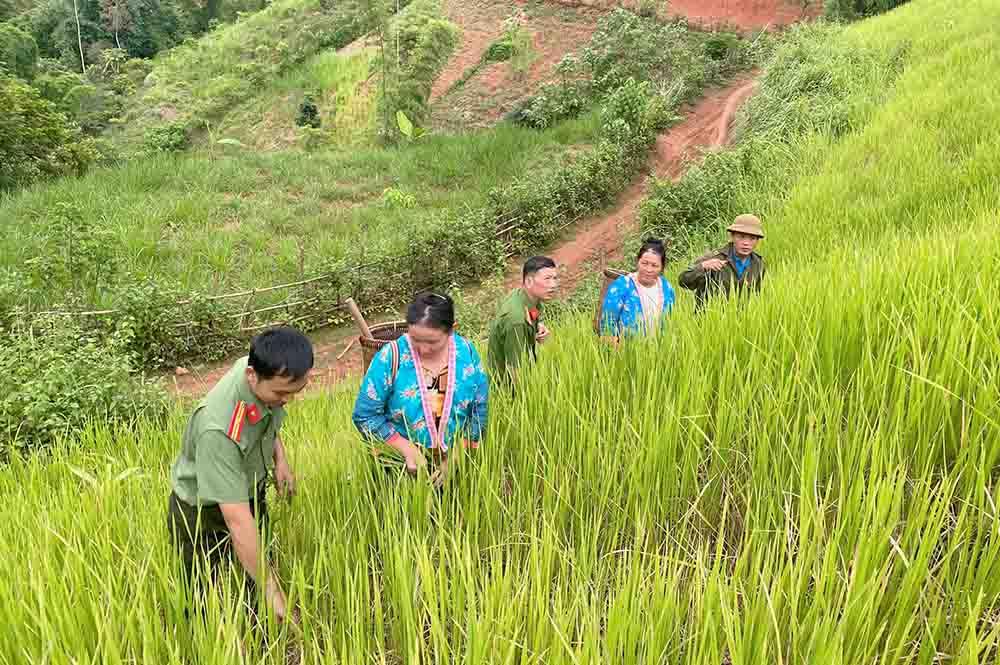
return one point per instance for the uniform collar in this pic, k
(245, 394)
(522, 296)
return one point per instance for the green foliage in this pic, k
(36, 141)
(159, 333)
(852, 10)
(722, 46)
(90, 101)
(676, 61)
(308, 113)
(514, 44)
(416, 47)
(18, 51)
(76, 253)
(544, 203)
(202, 79)
(811, 85)
(397, 198)
(56, 378)
(648, 8)
(171, 137)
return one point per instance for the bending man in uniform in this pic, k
(230, 445)
(734, 267)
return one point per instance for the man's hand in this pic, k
(284, 478)
(543, 333)
(713, 265)
(276, 598)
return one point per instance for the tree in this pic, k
(7, 10)
(36, 141)
(18, 51)
(79, 35)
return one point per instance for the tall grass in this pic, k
(807, 478)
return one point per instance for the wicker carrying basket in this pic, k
(382, 334)
(610, 275)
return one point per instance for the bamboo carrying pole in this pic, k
(358, 318)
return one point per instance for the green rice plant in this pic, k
(805, 476)
(813, 488)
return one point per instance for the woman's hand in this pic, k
(414, 458)
(438, 477)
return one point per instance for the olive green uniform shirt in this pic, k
(705, 283)
(228, 445)
(512, 334)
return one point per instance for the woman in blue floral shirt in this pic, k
(638, 303)
(426, 392)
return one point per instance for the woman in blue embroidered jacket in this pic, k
(438, 396)
(638, 303)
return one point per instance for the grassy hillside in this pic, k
(807, 479)
(340, 86)
(198, 82)
(239, 218)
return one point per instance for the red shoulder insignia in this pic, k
(253, 414)
(236, 422)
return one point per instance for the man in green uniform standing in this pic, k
(734, 267)
(230, 446)
(518, 327)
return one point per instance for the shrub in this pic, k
(18, 51)
(852, 10)
(421, 43)
(37, 141)
(676, 62)
(308, 113)
(167, 138)
(56, 378)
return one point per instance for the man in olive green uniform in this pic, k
(231, 444)
(518, 326)
(734, 267)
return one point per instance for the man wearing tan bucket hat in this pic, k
(734, 266)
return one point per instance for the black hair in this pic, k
(281, 351)
(432, 310)
(534, 264)
(656, 246)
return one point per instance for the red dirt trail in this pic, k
(705, 125)
(743, 15)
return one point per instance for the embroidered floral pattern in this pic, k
(384, 408)
(622, 312)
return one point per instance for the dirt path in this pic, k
(744, 14)
(601, 238)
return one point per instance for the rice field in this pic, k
(808, 478)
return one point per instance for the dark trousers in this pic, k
(204, 538)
